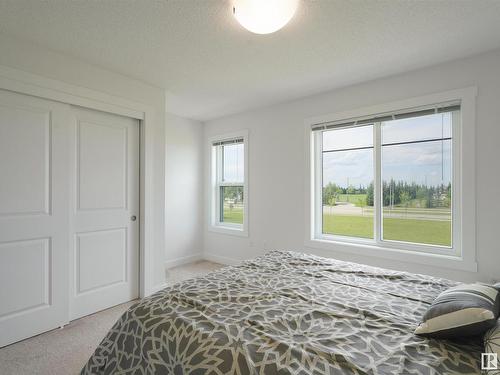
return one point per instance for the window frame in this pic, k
(215, 170)
(462, 253)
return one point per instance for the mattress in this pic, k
(285, 313)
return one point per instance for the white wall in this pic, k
(50, 64)
(184, 190)
(277, 183)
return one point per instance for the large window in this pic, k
(229, 193)
(389, 180)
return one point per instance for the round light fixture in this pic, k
(264, 16)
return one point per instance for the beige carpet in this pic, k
(65, 351)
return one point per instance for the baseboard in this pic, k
(183, 260)
(221, 259)
(158, 287)
(193, 258)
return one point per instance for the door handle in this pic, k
(133, 218)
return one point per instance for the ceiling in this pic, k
(211, 67)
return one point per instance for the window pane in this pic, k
(416, 180)
(417, 128)
(340, 139)
(233, 163)
(347, 199)
(231, 198)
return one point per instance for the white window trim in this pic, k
(214, 223)
(463, 256)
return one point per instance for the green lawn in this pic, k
(352, 198)
(410, 230)
(234, 215)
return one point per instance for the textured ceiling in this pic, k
(211, 67)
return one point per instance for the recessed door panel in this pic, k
(102, 166)
(101, 259)
(25, 264)
(25, 168)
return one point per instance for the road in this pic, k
(344, 208)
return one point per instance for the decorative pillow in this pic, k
(492, 345)
(462, 311)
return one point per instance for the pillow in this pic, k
(462, 311)
(492, 345)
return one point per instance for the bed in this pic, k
(285, 313)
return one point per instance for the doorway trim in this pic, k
(34, 85)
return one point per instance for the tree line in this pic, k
(395, 193)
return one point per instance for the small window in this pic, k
(229, 193)
(389, 180)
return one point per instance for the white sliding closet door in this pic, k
(69, 209)
(34, 215)
(105, 191)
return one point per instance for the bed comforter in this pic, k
(285, 313)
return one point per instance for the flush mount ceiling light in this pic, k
(264, 16)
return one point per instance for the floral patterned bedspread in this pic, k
(285, 313)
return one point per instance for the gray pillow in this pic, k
(462, 311)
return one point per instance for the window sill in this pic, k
(403, 255)
(232, 231)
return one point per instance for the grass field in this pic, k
(234, 215)
(410, 230)
(435, 232)
(352, 198)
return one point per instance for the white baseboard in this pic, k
(221, 259)
(193, 258)
(183, 260)
(158, 287)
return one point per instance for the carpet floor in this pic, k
(65, 351)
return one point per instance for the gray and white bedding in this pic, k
(285, 313)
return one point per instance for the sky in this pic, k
(423, 163)
(234, 162)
